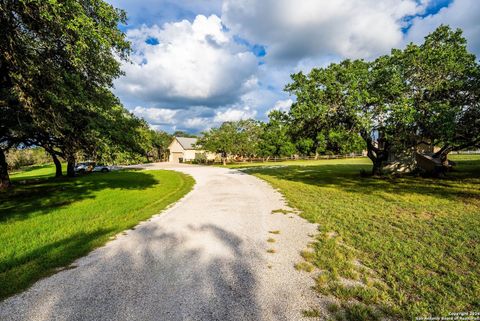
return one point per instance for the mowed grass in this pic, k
(356, 160)
(35, 172)
(399, 247)
(47, 223)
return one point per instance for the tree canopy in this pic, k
(238, 138)
(274, 139)
(57, 64)
(426, 94)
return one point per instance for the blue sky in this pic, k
(197, 63)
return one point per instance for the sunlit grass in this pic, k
(409, 247)
(47, 223)
(356, 160)
(35, 172)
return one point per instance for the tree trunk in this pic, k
(58, 165)
(377, 167)
(56, 161)
(224, 158)
(4, 177)
(160, 155)
(71, 166)
(378, 156)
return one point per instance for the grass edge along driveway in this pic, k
(47, 223)
(395, 247)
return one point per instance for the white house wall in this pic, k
(187, 154)
(176, 151)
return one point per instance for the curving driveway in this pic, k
(205, 258)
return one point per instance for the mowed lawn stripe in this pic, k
(47, 224)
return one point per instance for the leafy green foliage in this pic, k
(275, 140)
(426, 94)
(58, 61)
(181, 133)
(18, 158)
(240, 138)
(441, 79)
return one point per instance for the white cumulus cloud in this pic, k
(464, 14)
(155, 116)
(188, 64)
(297, 29)
(233, 114)
(281, 105)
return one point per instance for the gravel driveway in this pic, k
(204, 258)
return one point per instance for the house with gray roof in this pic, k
(182, 149)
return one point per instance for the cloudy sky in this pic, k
(198, 63)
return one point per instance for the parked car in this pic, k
(88, 167)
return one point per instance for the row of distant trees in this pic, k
(58, 60)
(423, 95)
(249, 138)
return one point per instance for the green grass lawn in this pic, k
(35, 172)
(400, 247)
(47, 223)
(358, 160)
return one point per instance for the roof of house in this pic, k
(187, 142)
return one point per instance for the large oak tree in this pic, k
(426, 94)
(57, 62)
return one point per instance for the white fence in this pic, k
(467, 152)
(294, 158)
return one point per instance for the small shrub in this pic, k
(312, 313)
(333, 308)
(304, 266)
(281, 211)
(18, 158)
(308, 255)
(359, 312)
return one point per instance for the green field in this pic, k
(47, 223)
(400, 247)
(358, 160)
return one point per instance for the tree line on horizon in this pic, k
(392, 107)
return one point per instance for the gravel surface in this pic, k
(204, 258)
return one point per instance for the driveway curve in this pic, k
(204, 258)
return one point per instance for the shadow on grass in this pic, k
(20, 272)
(347, 177)
(44, 195)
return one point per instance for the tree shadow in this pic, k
(155, 275)
(19, 272)
(347, 177)
(45, 195)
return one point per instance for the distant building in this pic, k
(182, 149)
